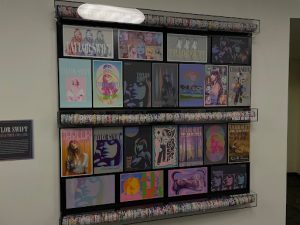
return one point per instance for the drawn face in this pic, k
(108, 148)
(140, 48)
(78, 35)
(137, 90)
(89, 35)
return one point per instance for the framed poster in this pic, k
(137, 143)
(188, 181)
(76, 151)
(190, 145)
(231, 50)
(187, 48)
(239, 86)
(164, 85)
(108, 150)
(141, 185)
(215, 144)
(165, 147)
(238, 142)
(75, 83)
(216, 85)
(137, 84)
(92, 42)
(229, 177)
(90, 191)
(140, 45)
(107, 84)
(191, 85)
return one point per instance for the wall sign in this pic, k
(16, 139)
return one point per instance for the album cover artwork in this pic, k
(188, 181)
(191, 85)
(141, 185)
(138, 151)
(75, 83)
(90, 191)
(88, 42)
(238, 142)
(76, 151)
(165, 147)
(190, 145)
(164, 85)
(187, 48)
(216, 81)
(140, 45)
(239, 86)
(108, 84)
(229, 177)
(231, 50)
(137, 84)
(108, 150)
(215, 144)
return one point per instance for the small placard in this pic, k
(16, 140)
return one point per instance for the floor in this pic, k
(293, 200)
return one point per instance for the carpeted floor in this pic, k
(293, 200)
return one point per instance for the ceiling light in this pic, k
(110, 13)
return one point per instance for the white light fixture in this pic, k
(110, 13)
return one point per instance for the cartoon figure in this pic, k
(142, 157)
(77, 161)
(228, 182)
(140, 49)
(74, 47)
(168, 91)
(76, 92)
(216, 88)
(237, 88)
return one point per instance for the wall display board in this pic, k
(152, 114)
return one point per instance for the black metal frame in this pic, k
(165, 199)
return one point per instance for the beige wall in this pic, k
(29, 189)
(293, 153)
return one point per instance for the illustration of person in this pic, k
(76, 92)
(228, 182)
(87, 191)
(88, 45)
(149, 39)
(109, 87)
(168, 94)
(162, 145)
(107, 153)
(216, 89)
(150, 52)
(74, 47)
(225, 53)
(100, 45)
(240, 180)
(77, 161)
(137, 94)
(142, 157)
(216, 183)
(237, 88)
(132, 52)
(140, 49)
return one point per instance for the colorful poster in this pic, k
(137, 143)
(216, 81)
(140, 45)
(190, 145)
(239, 86)
(76, 151)
(165, 147)
(88, 42)
(188, 181)
(108, 150)
(141, 185)
(187, 48)
(238, 142)
(231, 50)
(108, 84)
(229, 177)
(137, 84)
(75, 83)
(191, 85)
(90, 191)
(215, 144)
(164, 85)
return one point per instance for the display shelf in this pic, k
(176, 20)
(163, 211)
(90, 118)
